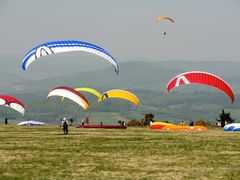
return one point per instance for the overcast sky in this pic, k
(203, 29)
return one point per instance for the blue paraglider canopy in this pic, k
(232, 127)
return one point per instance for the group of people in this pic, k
(122, 123)
(182, 123)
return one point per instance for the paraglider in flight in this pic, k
(71, 94)
(55, 47)
(160, 18)
(13, 103)
(198, 77)
(86, 89)
(122, 94)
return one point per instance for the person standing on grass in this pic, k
(181, 123)
(65, 126)
(71, 121)
(87, 120)
(191, 124)
(6, 121)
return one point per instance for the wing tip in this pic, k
(117, 70)
(24, 67)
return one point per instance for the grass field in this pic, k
(133, 153)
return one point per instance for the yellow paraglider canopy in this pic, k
(122, 94)
(86, 89)
(158, 19)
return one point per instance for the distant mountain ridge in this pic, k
(147, 80)
(133, 75)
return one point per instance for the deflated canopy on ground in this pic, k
(198, 77)
(160, 18)
(119, 93)
(71, 94)
(31, 123)
(232, 127)
(55, 47)
(13, 103)
(169, 126)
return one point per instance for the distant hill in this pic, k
(133, 75)
(147, 79)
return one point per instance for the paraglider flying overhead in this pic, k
(167, 18)
(160, 18)
(13, 103)
(55, 47)
(198, 77)
(122, 94)
(71, 94)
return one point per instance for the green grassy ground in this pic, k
(133, 153)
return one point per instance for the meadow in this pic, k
(132, 153)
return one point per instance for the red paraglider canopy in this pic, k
(70, 93)
(12, 102)
(198, 77)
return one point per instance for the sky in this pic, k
(203, 30)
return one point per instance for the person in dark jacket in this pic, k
(65, 126)
(191, 123)
(6, 121)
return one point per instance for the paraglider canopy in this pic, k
(13, 103)
(55, 47)
(232, 127)
(86, 89)
(31, 123)
(71, 94)
(166, 18)
(199, 77)
(119, 93)
(90, 90)
(160, 18)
